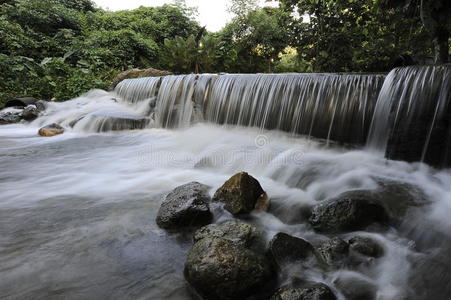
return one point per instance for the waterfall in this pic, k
(335, 107)
(329, 106)
(413, 115)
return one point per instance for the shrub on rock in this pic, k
(240, 193)
(187, 205)
(51, 130)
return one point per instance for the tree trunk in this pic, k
(434, 21)
(440, 42)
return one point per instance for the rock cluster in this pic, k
(231, 260)
(16, 114)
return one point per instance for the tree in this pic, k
(349, 35)
(257, 37)
(436, 18)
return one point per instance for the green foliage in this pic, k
(351, 35)
(62, 48)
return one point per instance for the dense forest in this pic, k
(58, 49)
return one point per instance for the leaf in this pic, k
(68, 54)
(45, 61)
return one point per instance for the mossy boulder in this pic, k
(218, 268)
(240, 233)
(240, 194)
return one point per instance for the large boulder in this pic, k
(51, 130)
(309, 291)
(240, 193)
(333, 252)
(366, 246)
(347, 212)
(218, 268)
(240, 233)
(30, 113)
(285, 249)
(186, 206)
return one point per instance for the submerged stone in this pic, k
(309, 291)
(51, 130)
(285, 248)
(333, 252)
(347, 212)
(218, 268)
(366, 246)
(239, 194)
(355, 287)
(187, 205)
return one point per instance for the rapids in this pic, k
(77, 210)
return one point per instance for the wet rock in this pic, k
(41, 105)
(263, 203)
(399, 198)
(187, 205)
(9, 117)
(239, 194)
(30, 113)
(285, 248)
(218, 268)
(51, 130)
(239, 233)
(366, 246)
(347, 212)
(355, 287)
(310, 291)
(333, 252)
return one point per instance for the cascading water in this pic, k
(77, 211)
(328, 106)
(412, 119)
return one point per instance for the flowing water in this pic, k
(77, 211)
